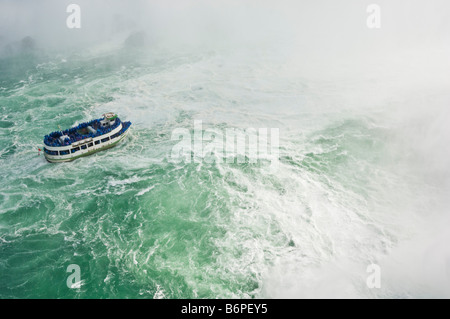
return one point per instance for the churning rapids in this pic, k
(362, 176)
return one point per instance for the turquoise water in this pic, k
(345, 194)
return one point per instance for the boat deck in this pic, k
(83, 131)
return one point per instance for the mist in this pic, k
(313, 27)
(322, 40)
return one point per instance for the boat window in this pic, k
(97, 142)
(64, 153)
(90, 144)
(105, 140)
(55, 153)
(83, 147)
(75, 150)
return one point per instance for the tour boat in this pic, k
(85, 139)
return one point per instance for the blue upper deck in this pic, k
(83, 131)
